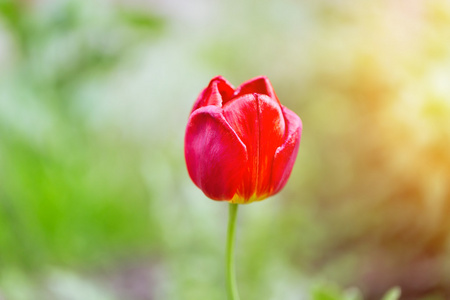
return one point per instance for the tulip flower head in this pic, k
(241, 144)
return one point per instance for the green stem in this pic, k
(231, 275)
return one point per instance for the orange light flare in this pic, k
(415, 122)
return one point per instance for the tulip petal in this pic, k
(286, 154)
(260, 85)
(214, 154)
(217, 92)
(260, 125)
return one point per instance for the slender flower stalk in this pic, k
(230, 270)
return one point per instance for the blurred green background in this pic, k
(95, 200)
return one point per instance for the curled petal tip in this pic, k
(216, 93)
(260, 85)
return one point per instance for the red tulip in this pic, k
(241, 144)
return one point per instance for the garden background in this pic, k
(95, 199)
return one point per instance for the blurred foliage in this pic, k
(69, 195)
(95, 202)
(333, 292)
